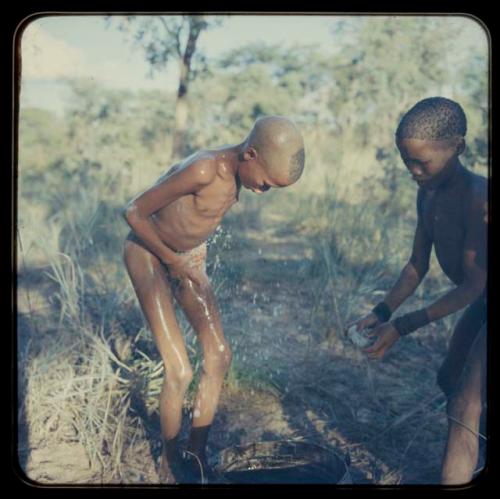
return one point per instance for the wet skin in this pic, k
(165, 258)
(452, 217)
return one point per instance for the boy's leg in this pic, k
(199, 304)
(461, 342)
(464, 412)
(149, 280)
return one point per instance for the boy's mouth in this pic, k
(419, 180)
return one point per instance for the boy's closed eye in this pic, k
(416, 163)
(409, 160)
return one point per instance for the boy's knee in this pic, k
(227, 356)
(179, 379)
(465, 406)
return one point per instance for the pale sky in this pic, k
(58, 47)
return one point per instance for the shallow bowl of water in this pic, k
(282, 462)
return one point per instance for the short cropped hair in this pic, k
(296, 165)
(434, 118)
(280, 145)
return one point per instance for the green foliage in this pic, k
(112, 144)
(115, 143)
(475, 99)
(166, 38)
(41, 139)
(102, 146)
(347, 103)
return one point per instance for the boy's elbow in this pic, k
(475, 286)
(417, 270)
(129, 213)
(422, 271)
(123, 213)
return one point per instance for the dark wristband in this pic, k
(408, 323)
(382, 311)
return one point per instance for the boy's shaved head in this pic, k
(280, 146)
(435, 118)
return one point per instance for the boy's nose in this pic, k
(416, 171)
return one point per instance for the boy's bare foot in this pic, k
(171, 469)
(165, 473)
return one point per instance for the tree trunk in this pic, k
(181, 115)
(179, 145)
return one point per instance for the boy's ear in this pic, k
(249, 154)
(460, 146)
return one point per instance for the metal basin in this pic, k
(282, 462)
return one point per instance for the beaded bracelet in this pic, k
(382, 311)
(408, 323)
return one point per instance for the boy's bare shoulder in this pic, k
(477, 195)
(202, 168)
(478, 188)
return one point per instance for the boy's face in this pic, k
(255, 177)
(426, 159)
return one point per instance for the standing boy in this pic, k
(452, 217)
(165, 257)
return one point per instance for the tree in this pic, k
(165, 38)
(255, 80)
(401, 60)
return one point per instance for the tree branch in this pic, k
(174, 34)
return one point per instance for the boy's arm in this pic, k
(137, 213)
(474, 271)
(409, 279)
(474, 266)
(414, 271)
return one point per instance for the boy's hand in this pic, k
(386, 335)
(182, 270)
(367, 322)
